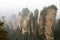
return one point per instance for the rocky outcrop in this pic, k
(47, 20)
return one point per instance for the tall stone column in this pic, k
(42, 21)
(19, 20)
(50, 20)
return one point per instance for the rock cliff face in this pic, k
(42, 21)
(22, 23)
(24, 26)
(50, 20)
(47, 20)
(19, 20)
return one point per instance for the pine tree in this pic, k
(3, 33)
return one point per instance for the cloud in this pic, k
(14, 6)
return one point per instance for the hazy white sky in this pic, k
(9, 7)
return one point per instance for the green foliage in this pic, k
(3, 33)
(36, 14)
(25, 12)
(57, 31)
